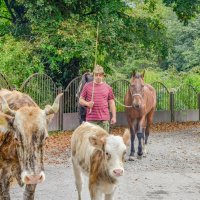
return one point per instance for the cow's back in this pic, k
(81, 147)
(16, 99)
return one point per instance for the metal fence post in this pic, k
(199, 104)
(60, 90)
(172, 106)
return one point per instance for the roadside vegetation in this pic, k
(59, 37)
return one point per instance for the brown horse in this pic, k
(140, 101)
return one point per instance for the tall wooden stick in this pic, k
(95, 62)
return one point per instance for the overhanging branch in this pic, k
(6, 18)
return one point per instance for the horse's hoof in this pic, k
(131, 158)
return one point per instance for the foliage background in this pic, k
(58, 38)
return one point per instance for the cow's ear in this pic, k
(126, 137)
(49, 117)
(6, 122)
(97, 142)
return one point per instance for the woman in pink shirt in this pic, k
(98, 97)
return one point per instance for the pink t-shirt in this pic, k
(102, 94)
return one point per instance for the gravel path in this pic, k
(171, 171)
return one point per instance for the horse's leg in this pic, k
(144, 131)
(132, 131)
(149, 122)
(140, 135)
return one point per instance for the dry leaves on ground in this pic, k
(56, 147)
(58, 144)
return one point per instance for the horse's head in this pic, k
(88, 77)
(137, 89)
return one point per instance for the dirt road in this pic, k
(171, 171)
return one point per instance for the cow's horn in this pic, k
(55, 107)
(6, 109)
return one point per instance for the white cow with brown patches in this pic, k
(100, 156)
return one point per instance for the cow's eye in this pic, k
(124, 155)
(108, 156)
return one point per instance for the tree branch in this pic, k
(10, 11)
(6, 18)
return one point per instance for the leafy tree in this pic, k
(61, 36)
(12, 14)
(185, 9)
(17, 60)
(184, 54)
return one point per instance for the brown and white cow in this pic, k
(23, 131)
(100, 156)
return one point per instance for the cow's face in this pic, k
(30, 129)
(114, 150)
(29, 126)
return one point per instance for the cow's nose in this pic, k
(34, 179)
(118, 172)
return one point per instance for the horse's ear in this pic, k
(133, 73)
(85, 77)
(142, 75)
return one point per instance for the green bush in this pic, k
(17, 60)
